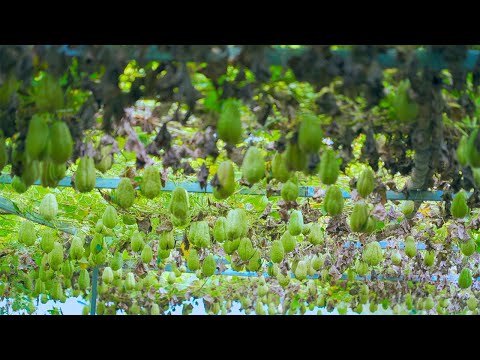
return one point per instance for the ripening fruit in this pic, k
(290, 191)
(58, 171)
(84, 279)
(237, 224)
(56, 256)
(301, 270)
(273, 270)
(128, 219)
(428, 303)
(410, 247)
(209, 266)
(316, 234)
(245, 249)
(396, 258)
(333, 201)
(99, 227)
(462, 151)
(57, 291)
(39, 288)
(179, 203)
(48, 177)
(226, 180)
(85, 178)
(255, 261)
(26, 233)
(468, 248)
(48, 240)
(130, 281)
(472, 303)
(372, 254)
(48, 94)
(473, 155)
(98, 258)
(231, 245)
(193, 261)
(358, 309)
(279, 168)
(351, 274)
(202, 237)
(295, 223)
(364, 292)
(409, 301)
(259, 310)
(97, 244)
(37, 138)
(48, 207)
(18, 185)
(361, 267)
(31, 172)
(459, 205)
(407, 207)
(283, 280)
(288, 242)
(155, 309)
(405, 109)
(465, 278)
(76, 248)
(192, 233)
(167, 240)
(110, 217)
(229, 125)
(310, 134)
(317, 262)
(117, 261)
(366, 183)
(147, 254)
(151, 185)
(125, 193)
(429, 258)
(295, 159)
(220, 230)
(277, 252)
(342, 308)
(106, 161)
(253, 166)
(306, 229)
(359, 217)
(107, 275)
(60, 144)
(329, 167)
(134, 309)
(137, 242)
(370, 225)
(67, 269)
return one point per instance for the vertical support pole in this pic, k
(93, 297)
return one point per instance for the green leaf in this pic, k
(211, 101)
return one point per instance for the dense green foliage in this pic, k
(325, 120)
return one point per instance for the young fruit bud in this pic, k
(366, 183)
(329, 167)
(151, 184)
(253, 166)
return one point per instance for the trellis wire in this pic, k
(194, 187)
